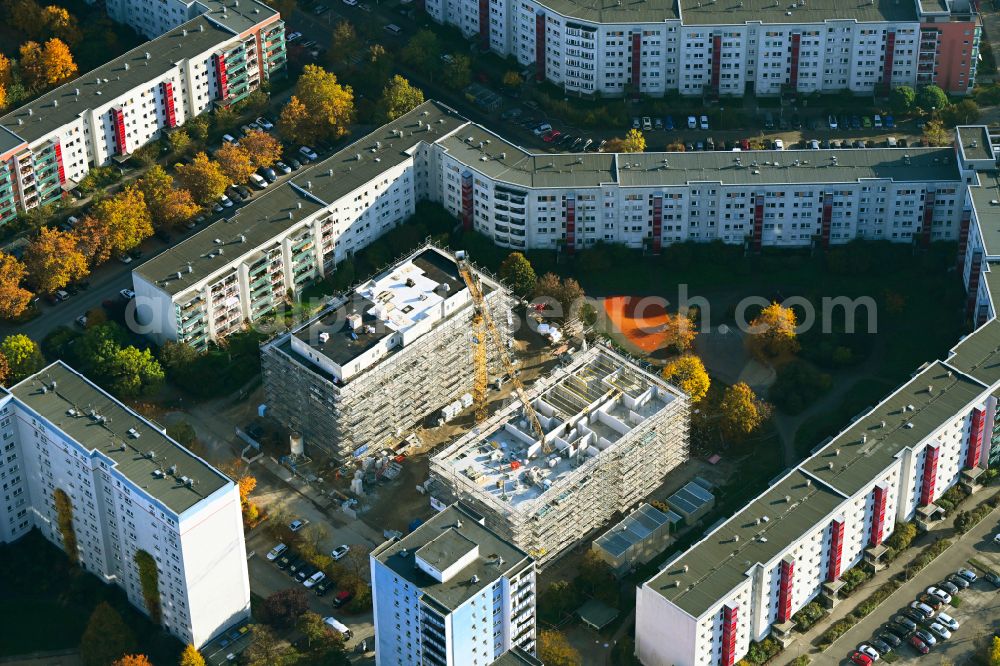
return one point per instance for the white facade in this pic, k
(197, 542)
(417, 622)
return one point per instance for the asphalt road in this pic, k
(978, 613)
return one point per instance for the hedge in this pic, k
(764, 651)
(926, 557)
(810, 614)
(149, 580)
(966, 520)
(64, 519)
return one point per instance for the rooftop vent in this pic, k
(475, 579)
(132, 432)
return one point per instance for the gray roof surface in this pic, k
(729, 12)
(975, 142)
(40, 117)
(452, 593)
(986, 201)
(112, 438)
(266, 215)
(516, 657)
(612, 11)
(9, 140)
(866, 448)
(635, 527)
(259, 221)
(690, 498)
(234, 16)
(978, 354)
(508, 162)
(718, 563)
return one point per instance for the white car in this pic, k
(315, 578)
(647, 124)
(967, 574)
(948, 621)
(692, 122)
(258, 180)
(351, 3)
(226, 201)
(265, 123)
(704, 122)
(308, 152)
(779, 144)
(339, 552)
(939, 593)
(81, 321)
(296, 525)
(864, 648)
(276, 552)
(293, 36)
(996, 539)
(127, 294)
(832, 121)
(939, 629)
(125, 259)
(229, 138)
(542, 129)
(923, 609)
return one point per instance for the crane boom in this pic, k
(485, 318)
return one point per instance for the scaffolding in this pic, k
(615, 432)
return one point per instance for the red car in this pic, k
(745, 144)
(861, 659)
(342, 598)
(919, 644)
(551, 136)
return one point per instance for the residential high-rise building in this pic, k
(381, 358)
(48, 145)
(72, 454)
(452, 593)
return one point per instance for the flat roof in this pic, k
(613, 11)
(986, 202)
(911, 413)
(729, 12)
(497, 558)
(978, 354)
(43, 116)
(713, 567)
(584, 413)
(974, 142)
(396, 300)
(9, 141)
(234, 16)
(690, 498)
(271, 213)
(508, 162)
(634, 528)
(267, 214)
(516, 657)
(99, 422)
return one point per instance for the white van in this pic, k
(891, 142)
(276, 552)
(878, 121)
(340, 627)
(258, 181)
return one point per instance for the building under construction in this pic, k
(612, 432)
(377, 361)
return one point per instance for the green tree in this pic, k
(191, 657)
(518, 273)
(965, 112)
(555, 650)
(324, 645)
(106, 637)
(902, 100)
(179, 140)
(688, 373)
(935, 134)
(742, 412)
(133, 372)
(398, 98)
(23, 355)
(458, 71)
(931, 98)
(264, 648)
(423, 52)
(567, 291)
(197, 127)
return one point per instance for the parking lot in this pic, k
(977, 611)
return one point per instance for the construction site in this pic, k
(592, 439)
(397, 349)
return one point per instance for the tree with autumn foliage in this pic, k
(169, 206)
(634, 142)
(688, 373)
(203, 178)
(133, 660)
(191, 657)
(261, 148)
(554, 649)
(46, 65)
(115, 225)
(14, 298)
(61, 24)
(772, 333)
(741, 411)
(234, 162)
(399, 97)
(24, 356)
(679, 332)
(320, 108)
(54, 260)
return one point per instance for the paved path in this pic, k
(952, 559)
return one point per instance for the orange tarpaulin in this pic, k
(644, 329)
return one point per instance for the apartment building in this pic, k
(381, 358)
(698, 47)
(218, 58)
(612, 433)
(451, 593)
(152, 18)
(240, 269)
(748, 577)
(131, 489)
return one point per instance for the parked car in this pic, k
(587, 144)
(813, 144)
(890, 638)
(81, 321)
(308, 152)
(881, 646)
(993, 577)
(339, 627)
(229, 138)
(276, 552)
(295, 566)
(926, 637)
(542, 129)
(124, 258)
(921, 606)
(930, 600)
(939, 630)
(282, 167)
(658, 123)
(294, 163)
(710, 143)
(958, 581)
(647, 124)
(939, 593)
(225, 201)
(323, 586)
(921, 646)
(704, 122)
(878, 121)
(258, 181)
(861, 659)
(636, 123)
(779, 144)
(314, 579)
(948, 587)
(127, 294)
(305, 572)
(870, 651)
(692, 122)
(339, 552)
(319, 10)
(244, 191)
(292, 36)
(948, 621)
(285, 559)
(265, 124)
(551, 136)
(296, 525)
(342, 598)
(905, 622)
(967, 574)
(268, 173)
(890, 122)
(668, 123)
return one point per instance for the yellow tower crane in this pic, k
(482, 323)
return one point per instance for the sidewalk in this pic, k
(803, 643)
